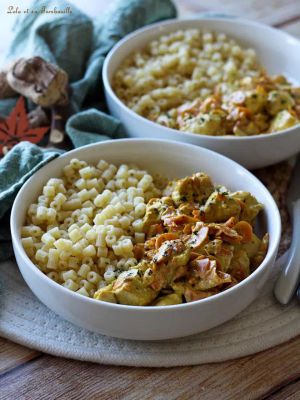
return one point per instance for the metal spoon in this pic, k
(288, 279)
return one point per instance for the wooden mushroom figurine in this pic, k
(46, 85)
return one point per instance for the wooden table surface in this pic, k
(273, 374)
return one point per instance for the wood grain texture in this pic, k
(13, 355)
(290, 392)
(248, 378)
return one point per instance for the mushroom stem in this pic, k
(57, 127)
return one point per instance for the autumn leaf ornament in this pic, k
(15, 128)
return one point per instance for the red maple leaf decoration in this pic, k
(16, 128)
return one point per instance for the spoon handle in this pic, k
(288, 279)
(298, 294)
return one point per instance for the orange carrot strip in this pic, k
(163, 237)
(184, 219)
(244, 229)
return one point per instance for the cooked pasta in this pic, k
(206, 83)
(151, 243)
(79, 230)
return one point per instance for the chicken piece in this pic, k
(225, 232)
(165, 120)
(245, 127)
(211, 103)
(240, 265)
(169, 263)
(187, 208)
(106, 294)
(222, 252)
(168, 300)
(252, 247)
(189, 293)
(188, 110)
(219, 207)
(170, 250)
(162, 275)
(212, 123)
(198, 237)
(130, 289)
(250, 207)
(154, 209)
(261, 121)
(243, 121)
(254, 100)
(239, 114)
(142, 266)
(295, 93)
(262, 251)
(194, 295)
(283, 120)
(279, 100)
(195, 188)
(205, 275)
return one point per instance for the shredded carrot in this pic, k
(163, 237)
(244, 229)
(184, 219)
(231, 239)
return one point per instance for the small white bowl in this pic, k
(276, 50)
(172, 159)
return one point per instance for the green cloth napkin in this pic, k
(15, 168)
(78, 44)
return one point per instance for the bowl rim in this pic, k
(174, 22)
(272, 250)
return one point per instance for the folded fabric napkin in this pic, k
(15, 168)
(78, 44)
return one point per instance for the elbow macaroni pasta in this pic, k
(82, 229)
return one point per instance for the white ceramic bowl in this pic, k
(172, 159)
(277, 51)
